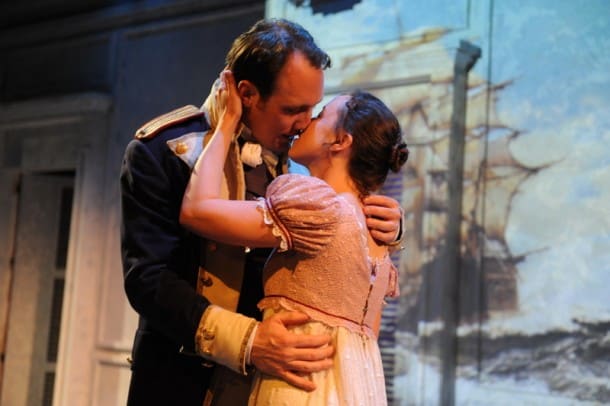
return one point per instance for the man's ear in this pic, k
(247, 92)
(343, 142)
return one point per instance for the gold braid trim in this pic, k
(152, 128)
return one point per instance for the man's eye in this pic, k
(294, 111)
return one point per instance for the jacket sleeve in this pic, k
(160, 259)
(155, 248)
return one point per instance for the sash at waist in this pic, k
(333, 320)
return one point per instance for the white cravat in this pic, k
(251, 154)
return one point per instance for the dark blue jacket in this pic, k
(160, 265)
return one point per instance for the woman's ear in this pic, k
(247, 92)
(343, 142)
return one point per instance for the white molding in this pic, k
(84, 273)
(23, 113)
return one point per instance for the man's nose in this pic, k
(303, 121)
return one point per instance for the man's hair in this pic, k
(260, 53)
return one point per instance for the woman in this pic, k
(326, 263)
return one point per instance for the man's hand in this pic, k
(383, 216)
(288, 356)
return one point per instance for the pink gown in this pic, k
(323, 269)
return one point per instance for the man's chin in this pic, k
(281, 148)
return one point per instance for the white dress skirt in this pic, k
(356, 378)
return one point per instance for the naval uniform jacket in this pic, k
(171, 276)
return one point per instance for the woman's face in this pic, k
(312, 147)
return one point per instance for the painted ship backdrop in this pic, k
(574, 364)
(532, 319)
(505, 105)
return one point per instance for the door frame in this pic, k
(58, 134)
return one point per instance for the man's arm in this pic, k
(161, 260)
(155, 248)
(234, 340)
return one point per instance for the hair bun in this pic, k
(400, 154)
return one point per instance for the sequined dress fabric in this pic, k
(323, 269)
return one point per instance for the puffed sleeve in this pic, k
(303, 210)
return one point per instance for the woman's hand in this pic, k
(228, 101)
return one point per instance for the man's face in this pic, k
(299, 87)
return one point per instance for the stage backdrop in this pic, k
(534, 313)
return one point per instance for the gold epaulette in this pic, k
(157, 124)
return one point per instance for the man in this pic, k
(197, 299)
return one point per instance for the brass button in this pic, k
(206, 281)
(181, 148)
(208, 335)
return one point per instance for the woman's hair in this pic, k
(377, 144)
(260, 53)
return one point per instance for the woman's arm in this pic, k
(203, 210)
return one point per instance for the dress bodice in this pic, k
(324, 268)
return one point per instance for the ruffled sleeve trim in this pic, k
(276, 227)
